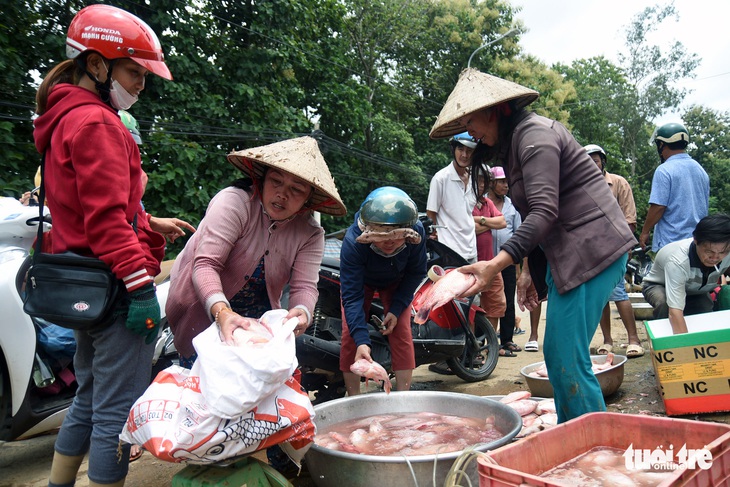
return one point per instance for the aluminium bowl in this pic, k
(643, 311)
(609, 379)
(332, 468)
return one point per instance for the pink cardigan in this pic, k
(221, 256)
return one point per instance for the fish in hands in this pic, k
(447, 286)
(371, 370)
(256, 332)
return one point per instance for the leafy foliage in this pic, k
(367, 78)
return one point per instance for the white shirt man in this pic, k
(451, 200)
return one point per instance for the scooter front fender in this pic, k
(17, 334)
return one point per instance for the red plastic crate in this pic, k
(521, 462)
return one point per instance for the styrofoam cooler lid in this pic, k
(717, 320)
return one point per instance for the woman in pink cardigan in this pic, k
(257, 236)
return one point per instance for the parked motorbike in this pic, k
(36, 371)
(447, 335)
(637, 268)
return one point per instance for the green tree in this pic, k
(30, 42)
(710, 146)
(654, 72)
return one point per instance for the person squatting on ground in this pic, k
(685, 272)
(565, 204)
(257, 236)
(383, 251)
(451, 199)
(493, 300)
(621, 190)
(680, 190)
(89, 150)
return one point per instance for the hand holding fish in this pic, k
(485, 271)
(449, 285)
(371, 370)
(363, 353)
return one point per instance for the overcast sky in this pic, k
(566, 30)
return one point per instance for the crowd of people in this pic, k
(546, 222)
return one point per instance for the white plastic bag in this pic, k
(235, 379)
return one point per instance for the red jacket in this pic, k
(93, 185)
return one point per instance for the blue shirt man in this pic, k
(680, 190)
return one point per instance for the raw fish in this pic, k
(255, 333)
(407, 434)
(453, 284)
(371, 370)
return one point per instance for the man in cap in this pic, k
(680, 190)
(621, 190)
(451, 200)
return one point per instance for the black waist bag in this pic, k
(72, 291)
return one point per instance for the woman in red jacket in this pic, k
(93, 180)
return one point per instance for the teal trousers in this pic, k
(571, 321)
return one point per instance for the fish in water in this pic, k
(371, 370)
(422, 433)
(453, 284)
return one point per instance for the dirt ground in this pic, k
(27, 463)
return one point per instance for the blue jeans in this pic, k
(570, 324)
(113, 368)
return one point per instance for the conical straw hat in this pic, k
(473, 92)
(299, 157)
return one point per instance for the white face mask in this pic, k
(120, 98)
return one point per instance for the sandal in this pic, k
(512, 347)
(477, 361)
(505, 352)
(604, 349)
(135, 452)
(634, 351)
(532, 346)
(518, 331)
(441, 368)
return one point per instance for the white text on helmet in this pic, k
(102, 30)
(103, 37)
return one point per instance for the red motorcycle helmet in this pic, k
(115, 33)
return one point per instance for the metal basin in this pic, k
(643, 311)
(609, 379)
(331, 468)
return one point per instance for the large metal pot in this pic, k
(331, 468)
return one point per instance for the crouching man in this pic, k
(685, 272)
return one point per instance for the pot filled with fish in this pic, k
(404, 438)
(609, 370)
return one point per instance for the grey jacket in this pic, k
(566, 206)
